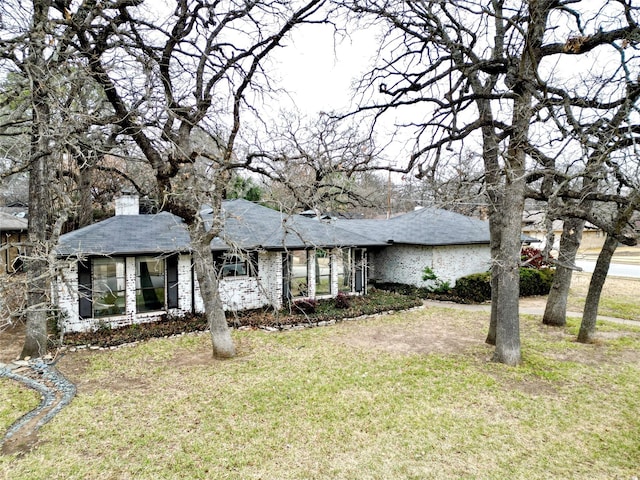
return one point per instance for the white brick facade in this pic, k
(406, 263)
(239, 293)
(397, 263)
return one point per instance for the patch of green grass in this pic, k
(15, 400)
(619, 306)
(320, 404)
(628, 308)
(619, 296)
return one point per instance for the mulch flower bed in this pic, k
(330, 310)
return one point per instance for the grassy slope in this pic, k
(619, 296)
(310, 405)
(15, 400)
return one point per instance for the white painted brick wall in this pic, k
(458, 261)
(185, 287)
(405, 263)
(270, 277)
(244, 293)
(67, 285)
(401, 264)
(334, 269)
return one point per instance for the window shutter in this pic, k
(172, 281)
(84, 289)
(253, 264)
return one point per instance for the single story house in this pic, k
(13, 231)
(134, 268)
(450, 244)
(533, 225)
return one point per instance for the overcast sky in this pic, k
(318, 72)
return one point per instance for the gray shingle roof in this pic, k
(11, 223)
(127, 234)
(427, 226)
(250, 226)
(246, 225)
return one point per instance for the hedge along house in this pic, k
(450, 244)
(135, 268)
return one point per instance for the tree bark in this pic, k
(555, 312)
(495, 229)
(590, 314)
(507, 271)
(36, 261)
(221, 340)
(85, 207)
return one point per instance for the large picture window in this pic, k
(108, 288)
(150, 284)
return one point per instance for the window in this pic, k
(236, 265)
(12, 253)
(323, 272)
(299, 286)
(150, 284)
(101, 285)
(344, 263)
(108, 287)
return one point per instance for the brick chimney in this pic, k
(127, 203)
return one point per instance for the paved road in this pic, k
(615, 269)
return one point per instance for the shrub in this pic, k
(439, 286)
(305, 305)
(535, 282)
(532, 258)
(375, 301)
(475, 287)
(342, 301)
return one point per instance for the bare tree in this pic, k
(179, 82)
(481, 73)
(26, 51)
(590, 314)
(53, 108)
(319, 166)
(600, 120)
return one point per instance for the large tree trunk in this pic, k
(490, 152)
(36, 262)
(495, 229)
(555, 312)
(85, 207)
(221, 340)
(507, 270)
(507, 266)
(590, 315)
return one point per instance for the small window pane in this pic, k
(234, 266)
